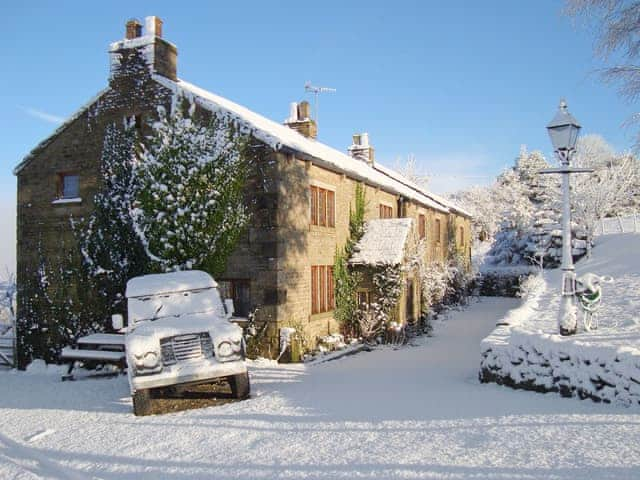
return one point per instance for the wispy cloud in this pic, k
(39, 114)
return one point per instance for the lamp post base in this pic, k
(568, 314)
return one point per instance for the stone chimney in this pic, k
(134, 29)
(300, 120)
(360, 149)
(159, 55)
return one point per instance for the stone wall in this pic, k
(543, 363)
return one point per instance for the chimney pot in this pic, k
(361, 149)
(293, 112)
(300, 120)
(304, 110)
(133, 29)
(153, 26)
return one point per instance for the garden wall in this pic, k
(550, 363)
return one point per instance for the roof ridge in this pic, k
(281, 137)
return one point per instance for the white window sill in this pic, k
(65, 201)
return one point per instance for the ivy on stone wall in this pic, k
(345, 279)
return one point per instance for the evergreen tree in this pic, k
(111, 250)
(191, 208)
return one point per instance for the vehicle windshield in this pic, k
(153, 307)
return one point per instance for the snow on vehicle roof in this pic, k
(159, 283)
(383, 242)
(279, 136)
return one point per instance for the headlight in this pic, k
(146, 363)
(150, 360)
(225, 349)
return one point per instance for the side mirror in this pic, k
(117, 322)
(228, 307)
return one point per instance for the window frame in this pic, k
(322, 206)
(385, 210)
(322, 289)
(60, 185)
(422, 226)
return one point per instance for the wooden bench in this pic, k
(98, 348)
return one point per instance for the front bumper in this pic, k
(187, 372)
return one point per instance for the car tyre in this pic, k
(141, 402)
(240, 386)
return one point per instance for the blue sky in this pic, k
(459, 84)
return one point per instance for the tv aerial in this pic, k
(308, 87)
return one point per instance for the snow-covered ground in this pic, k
(617, 256)
(415, 412)
(603, 364)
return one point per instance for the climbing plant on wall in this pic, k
(346, 280)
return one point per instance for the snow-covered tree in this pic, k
(609, 189)
(480, 201)
(617, 27)
(407, 168)
(110, 224)
(191, 207)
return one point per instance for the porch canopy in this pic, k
(384, 242)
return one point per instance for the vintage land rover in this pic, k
(178, 334)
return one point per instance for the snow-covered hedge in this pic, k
(542, 363)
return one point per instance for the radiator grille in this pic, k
(186, 347)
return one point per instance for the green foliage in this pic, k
(356, 219)
(345, 279)
(191, 202)
(345, 284)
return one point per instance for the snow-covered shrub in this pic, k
(190, 208)
(387, 282)
(370, 322)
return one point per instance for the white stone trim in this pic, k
(65, 201)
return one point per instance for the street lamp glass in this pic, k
(563, 129)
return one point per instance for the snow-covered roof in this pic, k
(441, 200)
(280, 137)
(159, 283)
(383, 242)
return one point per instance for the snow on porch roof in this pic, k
(281, 137)
(159, 283)
(383, 242)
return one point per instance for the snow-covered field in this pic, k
(416, 412)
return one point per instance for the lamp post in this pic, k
(563, 131)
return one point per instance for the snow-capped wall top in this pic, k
(383, 242)
(168, 283)
(281, 137)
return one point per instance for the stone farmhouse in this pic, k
(302, 192)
